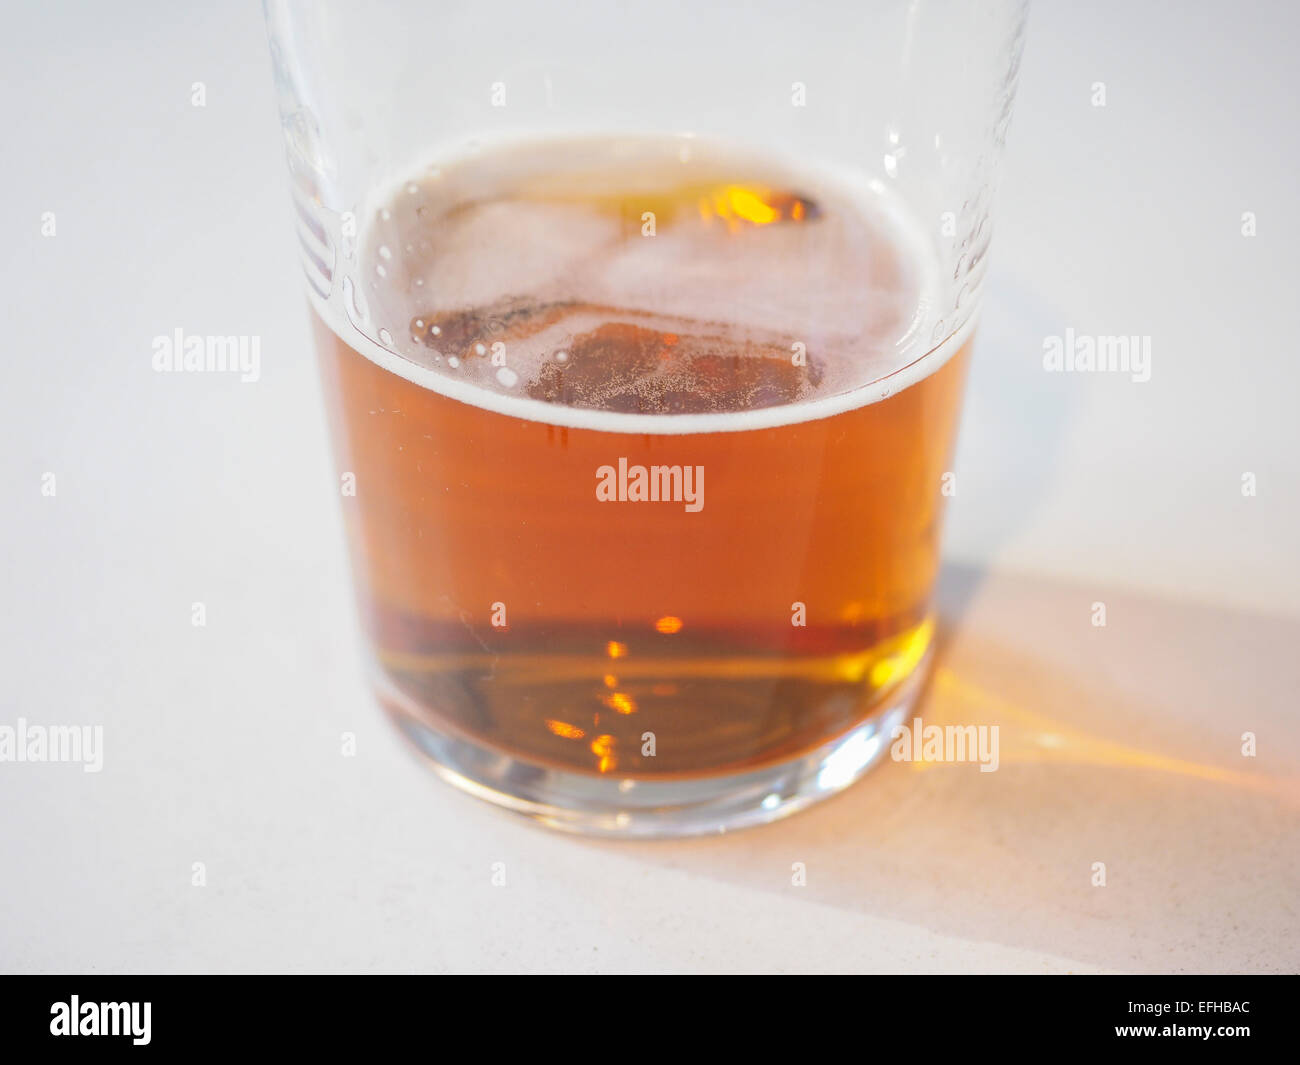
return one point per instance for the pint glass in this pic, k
(643, 329)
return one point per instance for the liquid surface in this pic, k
(649, 276)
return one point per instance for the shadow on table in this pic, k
(1015, 421)
(1116, 749)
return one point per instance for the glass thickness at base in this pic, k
(620, 805)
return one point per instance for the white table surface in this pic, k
(222, 743)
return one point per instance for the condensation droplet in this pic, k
(412, 188)
(480, 349)
(507, 377)
(561, 356)
(384, 253)
(436, 330)
(386, 338)
(379, 269)
(453, 362)
(936, 334)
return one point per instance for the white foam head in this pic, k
(856, 288)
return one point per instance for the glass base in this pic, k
(611, 806)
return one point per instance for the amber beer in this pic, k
(648, 441)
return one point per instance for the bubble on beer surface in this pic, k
(546, 247)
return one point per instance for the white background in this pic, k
(222, 743)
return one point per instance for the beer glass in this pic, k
(643, 329)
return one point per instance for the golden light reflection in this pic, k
(1029, 737)
(740, 202)
(852, 612)
(615, 649)
(563, 728)
(603, 748)
(903, 659)
(668, 625)
(621, 702)
(738, 205)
